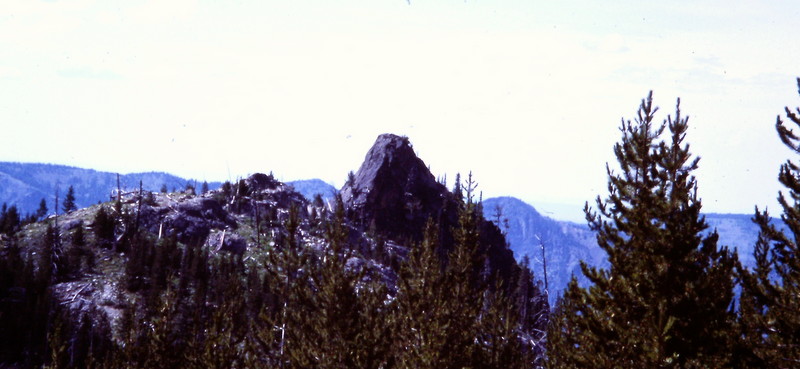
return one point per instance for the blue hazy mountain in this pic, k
(309, 188)
(26, 184)
(527, 232)
(567, 243)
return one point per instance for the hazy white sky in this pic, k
(526, 94)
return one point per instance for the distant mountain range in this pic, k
(565, 243)
(309, 188)
(24, 185)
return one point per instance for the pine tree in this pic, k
(419, 321)
(447, 315)
(336, 327)
(69, 201)
(457, 186)
(665, 299)
(465, 280)
(770, 301)
(189, 188)
(10, 221)
(273, 341)
(42, 211)
(52, 262)
(104, 227)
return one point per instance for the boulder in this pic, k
(265, 195)
(190, 220)
(261, 182)
(227, 241)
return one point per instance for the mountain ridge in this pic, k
(566, 242)
(24, 185)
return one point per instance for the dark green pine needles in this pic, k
(770, 302)
(665, 299)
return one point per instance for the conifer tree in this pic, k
(665, 299)
(420, 324)
(466, 280)
(69, 201)
(335, 326)
(189, 188)
(770, 301)
(440, 297)
(104, 227)
(51, 263)
(42, 211)
(273, 341)
(446, 314)
(9, 219)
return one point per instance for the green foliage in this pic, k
(79, 258)
(53, 265)
(9, 219)
(332, 324)
(432, 324)
(770, 301)
(41, 212)
(422, 317)
(664, 301)
(75, 341)
(148, 198)
(313, 298)
(69, 201)
(104, 227)
(25, 302)
(457, 188)
(318, 201)
(189, 188)
(227, 189)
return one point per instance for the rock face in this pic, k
(261, 182)
(190, 220)
(394, 193)
(566, 244)
(227, 241)
(267, 198)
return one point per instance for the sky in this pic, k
(528, 95)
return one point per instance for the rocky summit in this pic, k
(143, 266)
(394, 194)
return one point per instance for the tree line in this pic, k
(307, 297)
(668, 298)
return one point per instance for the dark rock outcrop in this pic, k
(393, 194)
(261, 182)
(265, 195)
(195, 218)
(190, 220)
(227, 241)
